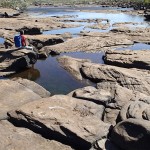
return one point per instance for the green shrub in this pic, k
(20, 4)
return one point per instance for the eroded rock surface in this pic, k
(132, 134)
(87, 43)
(67, 119)
(132, 79)
(138, 109)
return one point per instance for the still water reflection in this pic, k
(49, 74)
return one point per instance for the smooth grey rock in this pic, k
(33, 86)
(112, 96)
(72, 65)
(132, 134)
(120, 95)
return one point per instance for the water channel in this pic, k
(48, 73)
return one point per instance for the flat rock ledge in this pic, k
(129, 59)
(64, 119)
(90, 43)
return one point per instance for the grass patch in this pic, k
(22, 4)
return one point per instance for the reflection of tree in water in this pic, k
(31, 74)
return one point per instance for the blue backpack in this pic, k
(17, 40)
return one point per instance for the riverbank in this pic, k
(96, 96)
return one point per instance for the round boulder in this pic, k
(132, 134)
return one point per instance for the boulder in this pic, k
(30, 30)
(66, 119)
(97, 96)
(16, 93)
(138, 109)
(39, 41)
(72, 65)
(112, 96)
(132, 134)
(13, 138)
(130, 59)
(15, 60)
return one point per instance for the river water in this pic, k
(48, 73)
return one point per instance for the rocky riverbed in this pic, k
(113, 113)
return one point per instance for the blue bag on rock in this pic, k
(17, 40)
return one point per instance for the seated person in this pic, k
(20, 41)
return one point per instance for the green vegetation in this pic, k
(146, 1)
(22, 4)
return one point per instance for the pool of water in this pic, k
(1, 40)
(49, 74)
(53, 11)
(79, 15)
(136, 46)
